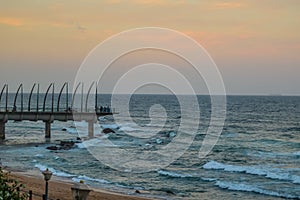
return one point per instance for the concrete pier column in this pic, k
(91, 129)
(2, 130)
(47, 129)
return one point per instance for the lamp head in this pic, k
(80, 190)
(47, 174)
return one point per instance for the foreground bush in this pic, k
(10, 188)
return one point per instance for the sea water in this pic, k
(258, 152)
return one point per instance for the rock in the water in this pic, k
(170, 192)
(64, 129)
(108, 130)
(172, 134)
(53, 148)
(159, 141)
(64, 145)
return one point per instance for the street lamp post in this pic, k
(80, 191)
(47, 176)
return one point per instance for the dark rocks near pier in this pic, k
(108, 130)
(64, 145)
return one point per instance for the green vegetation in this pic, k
(10, 188)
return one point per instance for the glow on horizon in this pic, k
(254, 43)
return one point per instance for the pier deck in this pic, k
(49, 114)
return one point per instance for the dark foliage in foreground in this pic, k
(10, 189)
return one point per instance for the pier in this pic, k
(54, 112)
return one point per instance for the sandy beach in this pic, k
(61, 189)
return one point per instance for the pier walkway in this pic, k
(50, 113)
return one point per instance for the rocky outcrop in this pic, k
(108, 130)
(64, 145)
(53, 148)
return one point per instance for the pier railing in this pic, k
(36, 107)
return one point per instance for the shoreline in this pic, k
(60, 188)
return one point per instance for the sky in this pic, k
(254, 43)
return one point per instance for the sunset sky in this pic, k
(255, 43)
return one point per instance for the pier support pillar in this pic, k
(47, 129)
(2, 130)
(91, 129)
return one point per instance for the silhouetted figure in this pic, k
(101, 109)
(108, 109)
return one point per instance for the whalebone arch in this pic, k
(54, 102)
(37, 112)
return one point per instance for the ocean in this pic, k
(257, 154)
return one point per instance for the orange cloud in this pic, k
(225, 5)
(114, 1)
(149, 2)
(10, 21)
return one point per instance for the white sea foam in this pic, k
(267, 171)
(296, 179)
(54, 171)
(102, 119)
(81, 124)
(131, 127)
(95, 180)
(95, 142)
(214, 165)
(67, 175)
(127, 129)
(158, 141)
(71, 130)
(81, 128)
(111, 126)
(209, 179)
(296, 153)
(80, 145)
(172, 134)
(250, 188)
(86, 178)
(174, 174)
